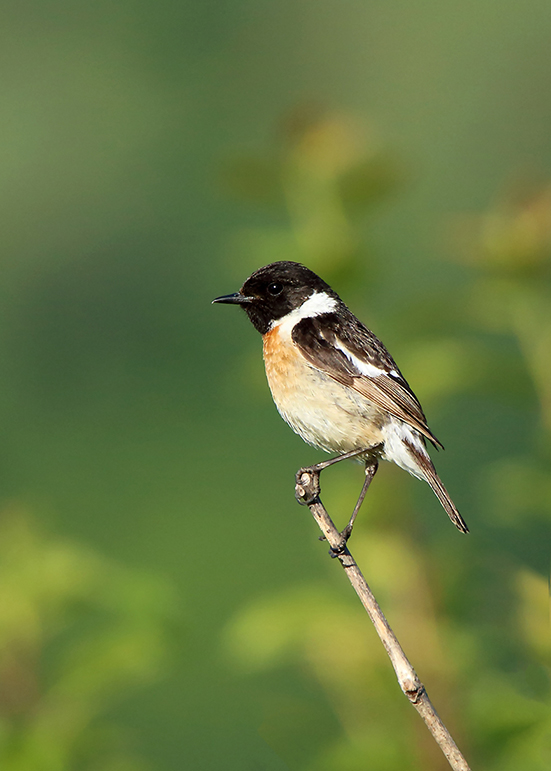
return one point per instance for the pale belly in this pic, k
(323, 412)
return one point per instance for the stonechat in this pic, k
(333, 381)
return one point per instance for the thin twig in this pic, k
(307, 491)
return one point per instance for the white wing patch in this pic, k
(316, 305)
(363, 367)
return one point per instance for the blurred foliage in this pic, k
(512, 291)
(78, 633)
(136, 184)
(494, 693)
(327, 170)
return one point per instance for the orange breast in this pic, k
(322, 411)
(280, 357)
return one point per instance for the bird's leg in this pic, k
(371, 467)
(307, 488)
(318, 467)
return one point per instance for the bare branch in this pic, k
(307, 491)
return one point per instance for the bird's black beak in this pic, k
(233, 299)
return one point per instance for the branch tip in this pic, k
(307, 491)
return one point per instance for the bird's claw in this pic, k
(307, 487)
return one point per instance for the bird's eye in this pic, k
(275, 288)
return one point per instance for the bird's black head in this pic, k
(274, 291)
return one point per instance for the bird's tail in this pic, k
(429, 474)
(443, 496)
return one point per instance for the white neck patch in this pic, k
(316, 305)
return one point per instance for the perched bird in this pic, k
(333, 381)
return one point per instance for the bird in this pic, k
(333, 381)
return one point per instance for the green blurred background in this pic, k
(164, 603)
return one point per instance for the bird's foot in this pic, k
(336, 551)
(307, 485)
(341, 547)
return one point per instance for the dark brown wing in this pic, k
(352, 355)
